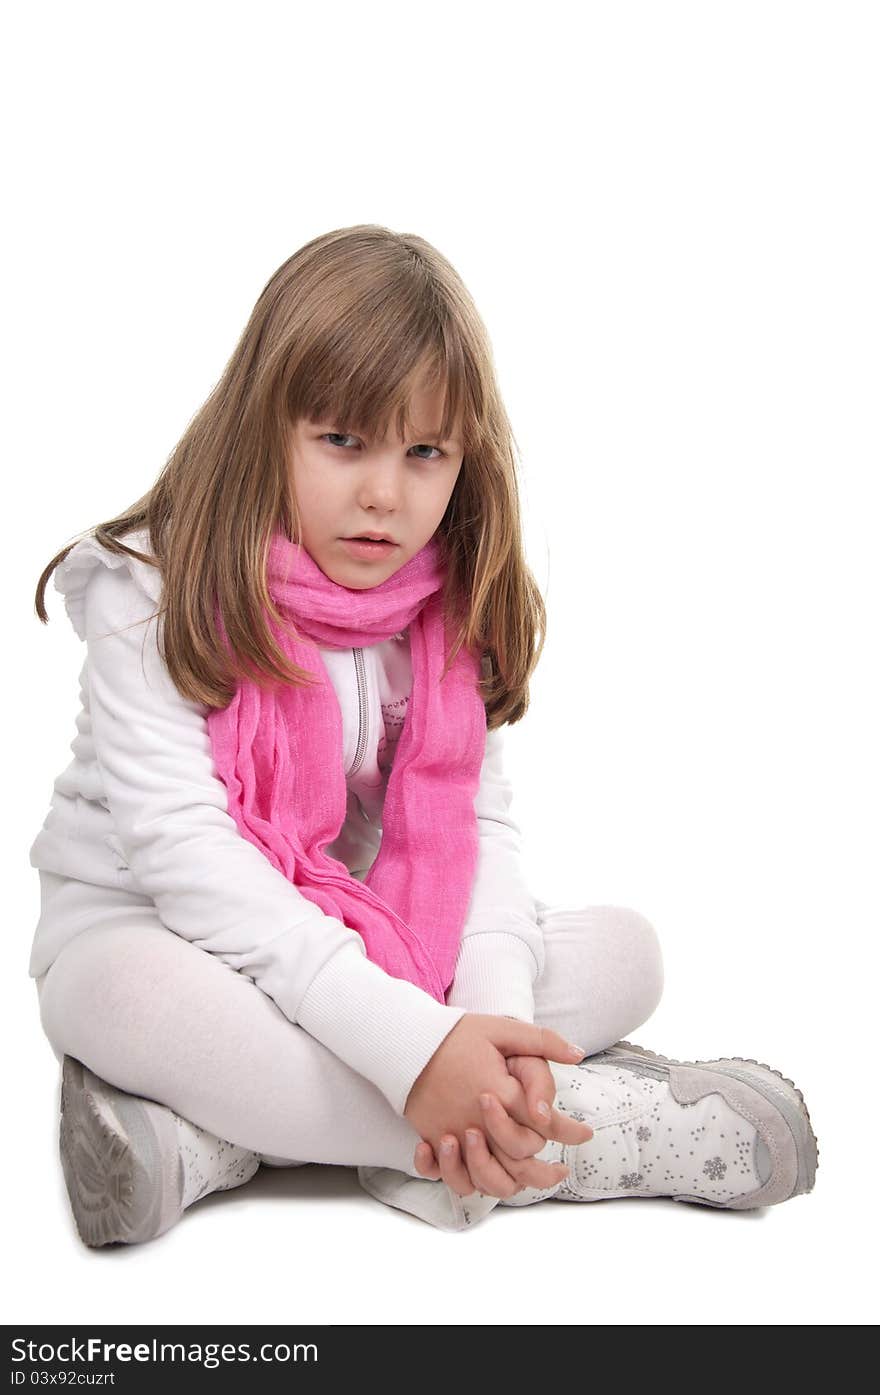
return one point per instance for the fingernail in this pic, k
(576, 1050)
(544, 1109)
(472, 1136)
(446, 1146)
(486, 1101)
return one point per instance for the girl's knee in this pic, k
(94, 979)
(644, 955)
(51, 1008)
(615, 945)
(633, 970)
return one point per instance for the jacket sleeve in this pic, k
(502, 947)
(213, 887)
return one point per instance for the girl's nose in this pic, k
(380, 489)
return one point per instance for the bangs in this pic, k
(364, 380)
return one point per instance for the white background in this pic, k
(668, 216)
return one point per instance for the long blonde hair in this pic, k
(344, 329)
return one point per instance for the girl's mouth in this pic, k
(368, 547)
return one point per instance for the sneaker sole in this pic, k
(770, 1083)
(120, 1160)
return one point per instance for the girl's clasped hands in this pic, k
(484, 1107)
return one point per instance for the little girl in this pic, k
(283, 918)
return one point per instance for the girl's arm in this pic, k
(502, 948)
(495, 973)
(209, 884)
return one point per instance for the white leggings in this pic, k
(161, 1018)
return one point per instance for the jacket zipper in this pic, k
(331, 878)
(360, 672)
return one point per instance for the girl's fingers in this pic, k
(478, 1170)
(533, 1172)
(517, 1140)
(527, 1141)
(490, 1177)
(567, 1130)
(453, 1169)
(426, 1161)
(564, 1129)
(522, 1171)
(537, 1081)
(530, 1171)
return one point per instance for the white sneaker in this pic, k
(131, 1165)
(729, 1133)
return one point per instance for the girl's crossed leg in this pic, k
(159, 1017)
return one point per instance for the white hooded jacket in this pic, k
(140, 810)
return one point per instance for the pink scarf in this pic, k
(279, 753)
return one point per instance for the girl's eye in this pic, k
(343, 436)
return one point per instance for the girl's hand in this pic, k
(510, 1133)
(444, 1103)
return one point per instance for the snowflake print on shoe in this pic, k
(728, 1133)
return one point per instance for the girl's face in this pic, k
(346, 485)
